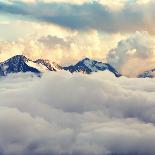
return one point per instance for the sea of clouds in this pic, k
(65, 114)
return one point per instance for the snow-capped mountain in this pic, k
(44, 65)
(88, 66)
(147, 74)
(51, 66)
(20, 63)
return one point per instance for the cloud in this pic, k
(130, 55)
(59, 45)
(62, 113)
(51, 1)
(97, 15)
(51, 41)
(134, 54)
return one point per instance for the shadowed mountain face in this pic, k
(20, 63)
(147, 74)
(16, 64)
(89, 66)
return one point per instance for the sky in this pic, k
(119, 32)
(78, 114)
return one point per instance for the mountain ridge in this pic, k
(20, 63)
(89, 66)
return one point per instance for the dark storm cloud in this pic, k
(131, 17)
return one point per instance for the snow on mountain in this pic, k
(50, 65)
(39, 67)
(16, 64)
(88, 66)
(20, 63)
(147, 74)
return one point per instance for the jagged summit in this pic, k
(85, 59)
(20, 63)
(52, 66)
(18, 57)
(89, 65)
(16, 64)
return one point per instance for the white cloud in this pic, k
(114, 5)
(52, 42)
(67, 114)
(134, 54)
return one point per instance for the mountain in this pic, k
(147, 74)
(51, 66)
(89, 66)
(20, 63)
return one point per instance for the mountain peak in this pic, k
(20, 63)
(89, 66)
(16, 64)
(52, 66)
(85, 59)
(147, 74)
(20, 57)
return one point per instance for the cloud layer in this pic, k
(133, 15)
(64, 114)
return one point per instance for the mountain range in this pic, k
(20, 63)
